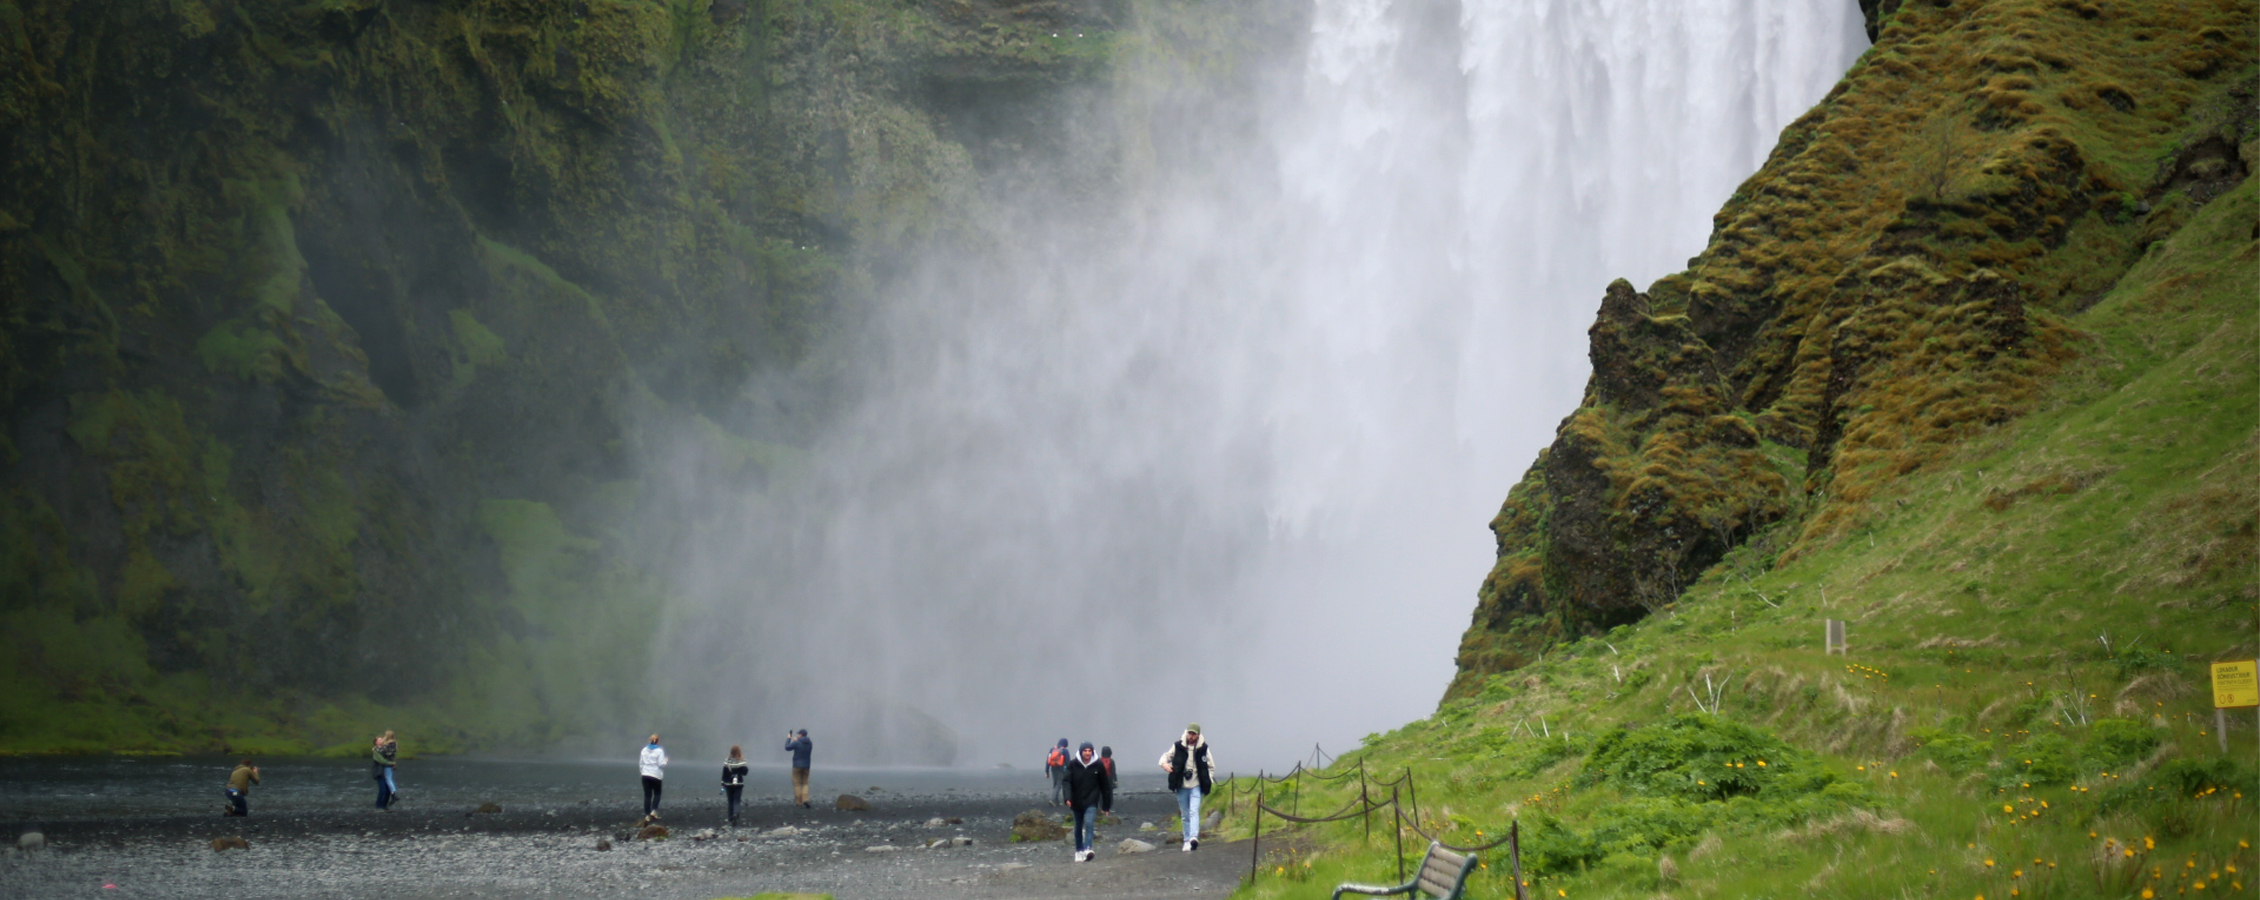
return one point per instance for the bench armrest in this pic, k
(1375, 890)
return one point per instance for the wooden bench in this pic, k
(1442, 875)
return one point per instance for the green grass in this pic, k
(2025, 699)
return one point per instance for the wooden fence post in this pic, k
(1514, 853)
(1255, 842)
(1365, 804)
(1398, 811)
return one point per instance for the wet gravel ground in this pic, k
(532, 849)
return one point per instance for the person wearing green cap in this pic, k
(1190, 766)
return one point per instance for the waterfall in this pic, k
(1227, 453)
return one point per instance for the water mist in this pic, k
(1223, 449)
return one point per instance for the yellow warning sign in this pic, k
(2234, 684)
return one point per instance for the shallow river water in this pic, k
(63, 789)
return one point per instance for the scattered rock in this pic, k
(937, 842)
(704, 834)
(961, 841)
(1133, 845)
(954, 820)
(936, 822)
(1012, 867)
(786, 831)
(852, 803)
(225, 843)
(652, 833)
(881, 848)
(1036, 825)
(1145, 826)
(1212, 821)
(31, 840)
(489, 808)
(603, 843)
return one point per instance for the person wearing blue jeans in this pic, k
(1089, 793)
(384, 755)
(1191, 769)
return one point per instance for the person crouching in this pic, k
(1089, 793)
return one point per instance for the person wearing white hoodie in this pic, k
(1089, 793)
(653, 764)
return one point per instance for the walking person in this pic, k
(1055, 766)
(1190, 764)
(801, 747)
(384, 755)
(1106, 758)
(652, 763)
(1089, 793)
(239, 788)
(733, 780)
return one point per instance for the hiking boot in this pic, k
(1194, 844)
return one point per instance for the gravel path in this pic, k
(551, 852)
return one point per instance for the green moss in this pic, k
(243, 349)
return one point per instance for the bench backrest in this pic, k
(1443, 873)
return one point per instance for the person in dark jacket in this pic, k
(1190, 767)
(733, 780)
(1106, 758)
(239, 787)
(802, 749)
(1089, 793)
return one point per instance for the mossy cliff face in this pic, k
(325, 321)
(1894, 281)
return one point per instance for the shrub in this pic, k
(2045, 759)
(1952, 750)
(2186, 776)
(2112, 743)
(1693, 756)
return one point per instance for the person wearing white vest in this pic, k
(653, 764)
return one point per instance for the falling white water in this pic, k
(1232, 460)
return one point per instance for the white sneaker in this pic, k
(1188, 847)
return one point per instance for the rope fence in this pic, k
(1403, 804)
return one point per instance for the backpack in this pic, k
(1057, 760)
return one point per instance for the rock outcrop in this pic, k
(1894, 281)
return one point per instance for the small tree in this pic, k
(1936, 154)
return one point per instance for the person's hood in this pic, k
(1062, 743)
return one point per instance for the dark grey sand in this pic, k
(535, 850)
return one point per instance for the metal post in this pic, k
(1514, 852)
(2221, 728)
(1295, 806)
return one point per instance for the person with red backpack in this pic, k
(1055, 766)
(1106, 758)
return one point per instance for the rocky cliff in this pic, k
(1897, 279)
(328, 327)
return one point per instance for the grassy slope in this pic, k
(1957, 750)
(1975, 611)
